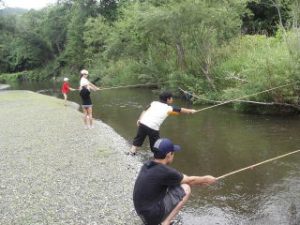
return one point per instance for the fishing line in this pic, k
(127, 86)
(135, 85)
(236, 99)
(257, 164)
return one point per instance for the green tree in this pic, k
(74, 53)
(178, 38)
(22, 45)
(108, 9)
(264, 16)
(95, 37)
(55, 27)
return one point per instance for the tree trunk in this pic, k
(180, 55)
(206, 72)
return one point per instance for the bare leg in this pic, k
(90, 116)
(173, 214)
(65, 98)
(85, 117)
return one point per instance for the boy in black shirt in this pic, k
(161, 191)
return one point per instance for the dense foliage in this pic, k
(216, 49)
(265, 15)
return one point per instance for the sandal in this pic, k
(131, 153)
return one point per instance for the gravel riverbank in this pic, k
(53, 171)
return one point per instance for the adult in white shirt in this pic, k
(151, 119)
(85, 82)
(87, 106)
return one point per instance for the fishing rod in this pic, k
(134, 85)
(236, 99)
(127, 86)
(257, 164)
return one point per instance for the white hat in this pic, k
(84, 72)
(66, 79)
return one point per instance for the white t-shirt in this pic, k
(155, 115)
(83, 82)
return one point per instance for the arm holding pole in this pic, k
(93, 87)
(188, 111)
(198, 180)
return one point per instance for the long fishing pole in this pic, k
(236, 99)
(134, 85)
(257, 164)
(127, 86)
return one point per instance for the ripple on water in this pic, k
(276, 203)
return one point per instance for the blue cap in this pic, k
(165, 145)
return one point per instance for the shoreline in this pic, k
(4, 87)
(62, 174)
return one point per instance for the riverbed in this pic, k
(215, 142)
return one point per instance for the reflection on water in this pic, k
(215, 142)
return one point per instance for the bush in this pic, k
(253, 64)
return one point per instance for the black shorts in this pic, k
(172, 198)
(144, 131)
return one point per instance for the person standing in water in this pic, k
(65, 89)
(151, 119)
(85, 87)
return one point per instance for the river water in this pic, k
(216, 141)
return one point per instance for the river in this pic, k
(216, 141)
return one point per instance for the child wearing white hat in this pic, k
(65, 89)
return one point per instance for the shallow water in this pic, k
(215, 142)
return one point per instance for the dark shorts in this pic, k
(170, 201)
(87, 106)
(172, 198)
(142, 133)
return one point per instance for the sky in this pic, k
(28, 4)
